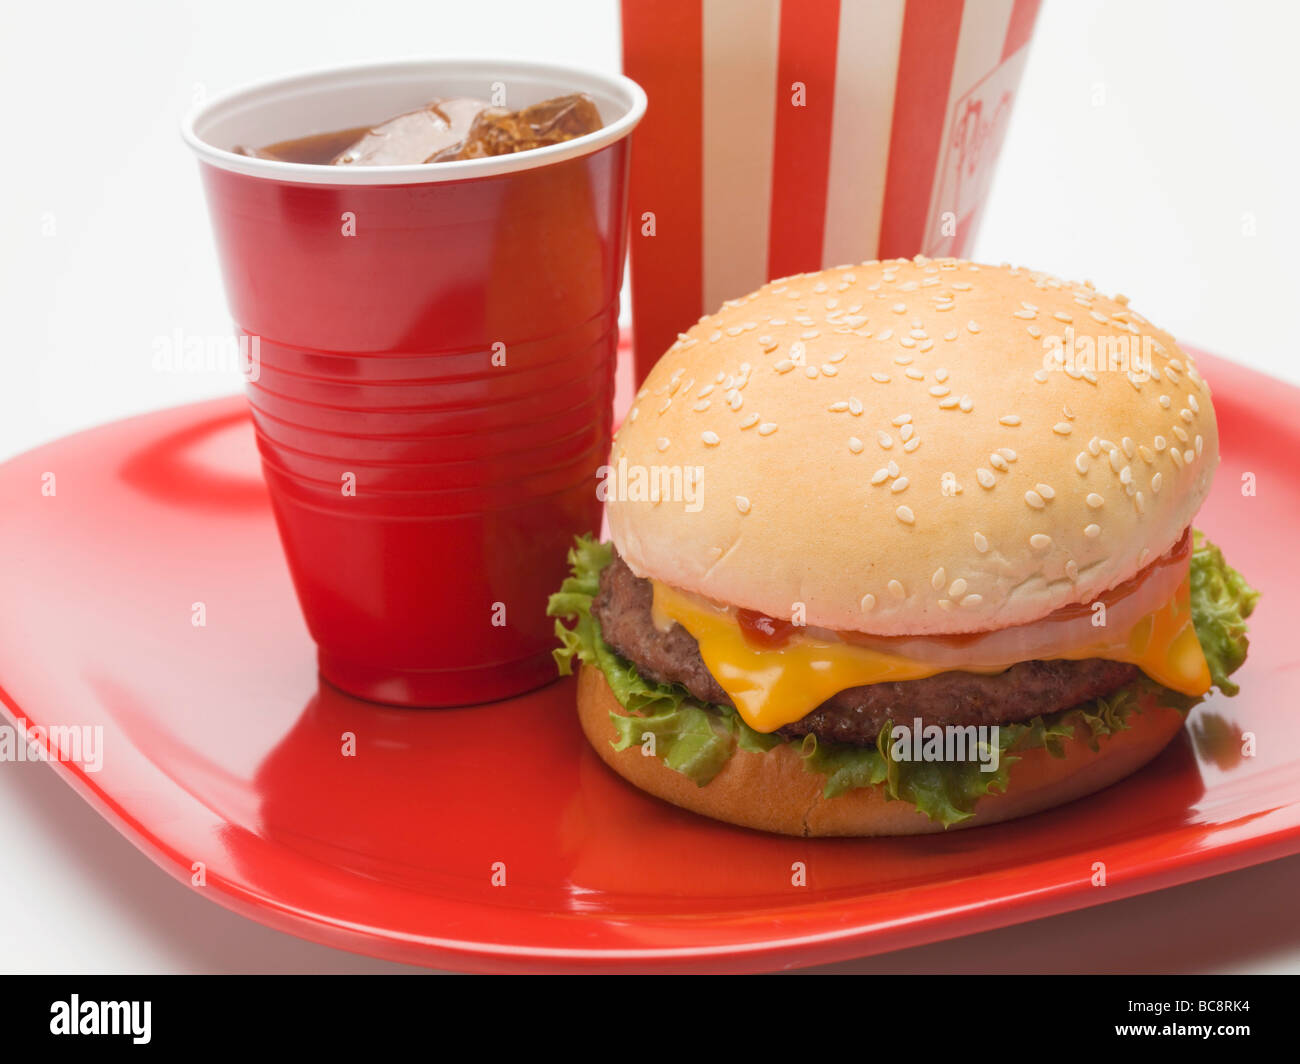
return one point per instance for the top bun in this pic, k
(915, 447)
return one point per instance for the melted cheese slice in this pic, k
(773, 687)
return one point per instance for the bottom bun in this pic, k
(773, 791)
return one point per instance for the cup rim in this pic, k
(617, 85)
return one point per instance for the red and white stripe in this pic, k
(745, 186)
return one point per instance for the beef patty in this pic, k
(856, 714)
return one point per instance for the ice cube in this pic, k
(498, 131)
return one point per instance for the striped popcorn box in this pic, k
(792, 135)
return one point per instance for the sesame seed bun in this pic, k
(894, 446)
(773, 792)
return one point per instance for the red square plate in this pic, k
(492, 838)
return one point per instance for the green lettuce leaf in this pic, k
(1221, 602)
(697, 740)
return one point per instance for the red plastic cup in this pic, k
(436, 365)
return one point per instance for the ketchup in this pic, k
(767, 632)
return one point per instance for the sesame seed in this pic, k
(893, 468)
(1062, 428)
(912, 444)
(1191, 402)
(981, 543)
(1160, 443)
(1181, 433)
(879, 476)
(838, 408)
(1081, 462)
(937, 390)
(784, 366)
(1185, 414)
(1034, 499)
(702, 405)
(904, 514)
(662, 443)
(710, 438)
(880, 378)
(750, 421)
(1034, 331)
(715, 337)
(958, 588)
(998, 462)
(1189, 456)
(972, 600)
(1126, 475)
(885, 335)
(1026, 314)
(1072, 570)
(1165, 402)
(1200, 446)
(1061, 315)
(899, 308)
(1009, 419)
(855, 407)
(1094, 447)
(937, 580)
(899, 485)
(855, 445)
(742, 504)
(950, 335)
(915, 374)
(1140, 502)
(885, 440)
(986, 479)
(1146, 453)
(828, 369)
(868, 602)
(948, 403)
(906, 432)
(839, 356)
(1155, 484)
(1092, 531)
(1039, 541)
(896, 589)
(664, 409)
(1095, 501)
(1116, 459)
(973, 326)
(1046, 491)
(1040, 375)
(767, 428)
(810, 371)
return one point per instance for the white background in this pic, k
(1153, 151)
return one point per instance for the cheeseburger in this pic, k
(901, 547)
